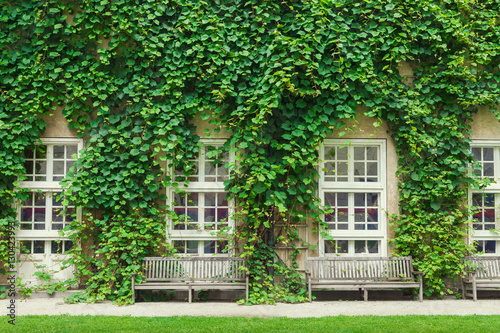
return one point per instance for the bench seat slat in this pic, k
(193, 272)
(483, 273)
(363, 273)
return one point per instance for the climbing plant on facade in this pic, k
(131, 76)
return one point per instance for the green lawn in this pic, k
(391, 324)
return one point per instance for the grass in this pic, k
(406, 324)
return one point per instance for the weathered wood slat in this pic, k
(482, 273)
(363, 273)
(193, 272)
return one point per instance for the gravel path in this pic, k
(55, 306)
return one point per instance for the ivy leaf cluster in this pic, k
(132, 76)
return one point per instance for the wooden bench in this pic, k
(482, 273)
(362, 274)
(192, 273)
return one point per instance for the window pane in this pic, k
(58, 152)
(25, 247)
(487, 154)
(38, 247)
(56, 247)
(209, 247)
(191, 246)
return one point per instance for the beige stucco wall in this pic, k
(485, 126)
(57, 125)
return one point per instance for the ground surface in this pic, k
(55, 306)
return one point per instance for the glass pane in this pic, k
(40, 167)
(38, 246)
(59, 152)
(490, 246)
(343, 215)
(209, 168)
(329, 199)
(488, 170)
(192, 213)
(210, 199)
(27, 214)
(342, 199)
(209, 247)
(222, 246)
(56, 247)
(70, 151)
(477, 154)
(55, 201)
(222, 214)
(372, 169)
(359, 153)
(57, 215)
(192, 199)
(342, 153)
(329, 247)
(57, 226)
(59, 167)
(29, 153)
(359, 169)
(342, 246)
(69, 164)
(359, 246)
(359, 199)
(41, 152)
(371, 153)
(179, 246)
(68, 245)
(192, 246)
(372, 215)
(28, 165)
(372, 199)
(69, 214)
(221, 199)
(342, 168)
(372, 246)
(39, 215)
(39, 199)
(209, 214)
(25, 247)
(179, 200)
(489, 200)
(359, 215)
(487, 154)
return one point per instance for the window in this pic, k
(352, 188)
(202, 209)
(41, 215)
(485, 203)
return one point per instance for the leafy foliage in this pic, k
(280, 76)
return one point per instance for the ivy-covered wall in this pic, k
(133, 77)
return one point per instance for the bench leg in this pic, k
(463, 289)
(133, 289)
(365, 294)
(190, 293)
(310, 291)
(474, 290)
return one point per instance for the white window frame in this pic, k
(200, 187)
(48, 186)
(492, 188)
(350, 186)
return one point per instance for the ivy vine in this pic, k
(132, 76)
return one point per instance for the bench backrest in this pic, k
(484, 267)
(222, 269)
(344, 268)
